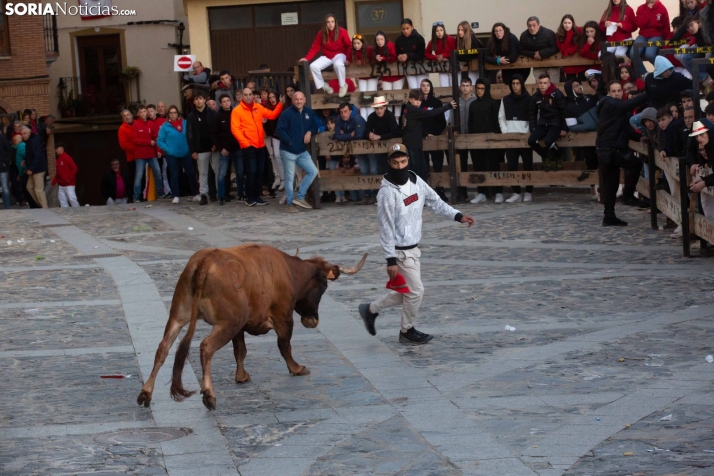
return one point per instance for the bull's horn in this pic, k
(297, 253)
(356, 268)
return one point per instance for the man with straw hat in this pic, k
(400, 202)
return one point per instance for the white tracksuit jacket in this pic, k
(400, 213)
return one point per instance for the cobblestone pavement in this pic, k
(605, 372)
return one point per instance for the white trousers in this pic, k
(617, 50)
(367, 85)
(396, 85)
(444, 79)
(204, 160)
(554, 73)
(118, 201)
(410, 268)
(67, 196)
(415, 80)
(338, 62)
(273, 146)
(473, 76)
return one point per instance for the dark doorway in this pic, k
(243, 37)
(100, 74)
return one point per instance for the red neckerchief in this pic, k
(178, 124)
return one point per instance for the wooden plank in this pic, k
(670, 165)
(570, 165)
(555, 61)
(400, 96)
(643, 187)
(333, 180)
(638, 147)
(536, 178)
(669, 206)
(702, 226)
(327, 146)
(398, 69)
(703, 172)
(508, 141)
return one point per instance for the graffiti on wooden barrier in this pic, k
(410, 68)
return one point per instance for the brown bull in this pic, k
(249, 288)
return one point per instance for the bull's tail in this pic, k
(178, 393)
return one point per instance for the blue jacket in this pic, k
(356, 124)
(171, 141)
(292, 127)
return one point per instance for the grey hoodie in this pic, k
(464, 116)
(651, 114)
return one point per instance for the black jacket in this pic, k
(517, 107)
(614, 121)
(35, 159)
(385, 127)
(6, 154)
(433, 125)
(475, 44)
(664, 90)
(109, 185)
(413, 46)
(576, 106)
(548, 110)
(543, 42)
(221, 135)
(412, 118)
(198, 141)
(673, 140)
(511, 53)
(483, 112)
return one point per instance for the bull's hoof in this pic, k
(144, 398)
(245, 379)
(303, 371)
(309, 322)
(209, 402)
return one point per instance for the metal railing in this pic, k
(51, 43)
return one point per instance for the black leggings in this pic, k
(512, 156)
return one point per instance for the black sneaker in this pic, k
(612, 220)
(250, 203)
(260, 202)
(240, 198)
(228, 198)
(630, 201)
(204, 200)
(214, 199)
(221, 202)
(167, 195)
(643, 203)
(412, 336)
(368, 318)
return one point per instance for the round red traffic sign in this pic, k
(184, 62)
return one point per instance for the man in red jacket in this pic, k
(652, 19)
(66, 177)
(142, 134)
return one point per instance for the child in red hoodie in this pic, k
(66, 177)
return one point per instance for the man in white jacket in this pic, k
(400, 202)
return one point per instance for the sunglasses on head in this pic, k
(357, 37)
(438, 23)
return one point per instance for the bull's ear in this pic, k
(333, 273)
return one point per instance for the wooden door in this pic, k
(100, 68)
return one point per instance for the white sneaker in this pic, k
(527, 197)
(175, 200)
(328, 90)
(480, 198)
(619, 191)
(197, 198)
(283, 200)
(707, 81)
(343, 90)
(282, 186)
(515, 198)
(677, 233)
(276, 183)
(499, 198)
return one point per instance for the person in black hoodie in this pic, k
(381, 125)
(581, 116)
(433, 126)
(412, 119)
(612, 148)
(410, 46)
(36, 165)
(227, 147)
(513, 118)
(502, 49)
(483, 118)
(538, 42)
(198, 136)
(547, 120)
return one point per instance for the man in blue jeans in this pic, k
(295, 128)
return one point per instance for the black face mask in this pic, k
(398, 176)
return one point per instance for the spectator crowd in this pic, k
(258, 139)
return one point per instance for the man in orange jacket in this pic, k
(247, 127)
(126, 142)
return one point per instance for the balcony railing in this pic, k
(51, 44)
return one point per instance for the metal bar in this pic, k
(684, 205)
(453, 175)
(635, 54)
(652, 168)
